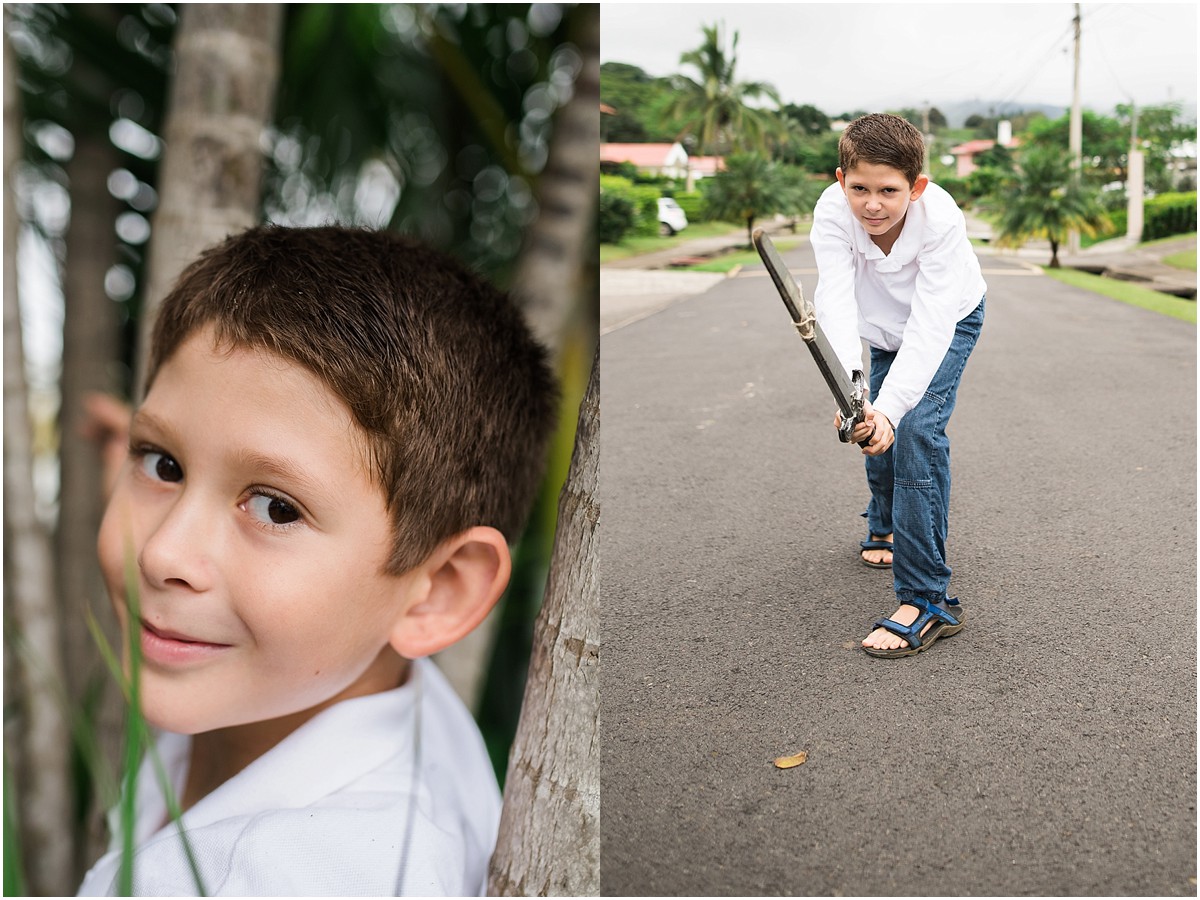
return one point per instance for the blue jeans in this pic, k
(910, 483)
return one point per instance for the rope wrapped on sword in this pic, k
(848, 392)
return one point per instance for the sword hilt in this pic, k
(850, 422)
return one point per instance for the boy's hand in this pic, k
(884, 435)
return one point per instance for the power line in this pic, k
(1055, 46)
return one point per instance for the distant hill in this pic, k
(957, 113)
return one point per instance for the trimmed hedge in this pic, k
(692, 205)
(616, 218)
(643, 199)
(1169, 214)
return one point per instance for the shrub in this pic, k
(692, 205)
(956, 188)
(1169, 214)
(615, 218)
(642, 199)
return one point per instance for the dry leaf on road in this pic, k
(788, 762)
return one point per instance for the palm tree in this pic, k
(1042, 200)
(714, 108)
(750, 187)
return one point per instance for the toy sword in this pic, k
(848, 393)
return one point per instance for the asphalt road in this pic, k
(1047, 749)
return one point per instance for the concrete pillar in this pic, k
(1135, 192)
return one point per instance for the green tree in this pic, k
(1041, 200)
(1105, 143)
(811, 120)
(636, 98)
(715, 106)
(815, 153)
(751, 186)
(1159, 132)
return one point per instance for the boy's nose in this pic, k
(173, 551)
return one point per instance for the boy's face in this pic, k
(258, 540)
(879, 196)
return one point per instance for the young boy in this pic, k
(896, 269)
(342, 432)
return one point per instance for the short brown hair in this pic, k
(438, 367)
(886, 140)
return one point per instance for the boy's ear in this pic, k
(918, 187)
(841, 177)
(452, 591)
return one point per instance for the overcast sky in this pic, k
(871, 56)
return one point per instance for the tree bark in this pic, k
(44, 799)
(222, 97)
(549, 843)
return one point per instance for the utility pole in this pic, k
(1135, 184)
(927, 135)
(1076, 133)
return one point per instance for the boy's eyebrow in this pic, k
(143, 419)
(279, 468)
(272, 466)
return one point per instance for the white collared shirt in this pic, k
(908, 300)
(337, 808)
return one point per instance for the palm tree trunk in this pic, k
(29, 603)
(549, 842)
(553, 267)
(550, 275)
(222, 97)
(1054, 263)
(91, 341)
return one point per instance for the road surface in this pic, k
(1047, 749)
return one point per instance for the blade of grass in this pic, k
(107, 653)
(138, 738)
(14, 871)
(176, 815)
(134, 726)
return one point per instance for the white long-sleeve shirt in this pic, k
(908, 300)
(367, 798)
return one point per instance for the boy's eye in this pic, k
(160, 466)
(272, 510)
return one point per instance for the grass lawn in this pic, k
(636, 245)
(727, 261)
(1128, 293)
(1184, 260)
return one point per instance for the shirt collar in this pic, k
(308, 764)
(907, 245)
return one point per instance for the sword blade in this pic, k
(805, 319)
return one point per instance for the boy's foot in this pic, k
(878, 557)
(882, 639)
(941, 619)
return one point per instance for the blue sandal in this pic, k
(947, 615)
(872, 544)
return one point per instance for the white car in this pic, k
(671, 217)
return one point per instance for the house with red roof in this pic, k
(670, 160)
(964, 154)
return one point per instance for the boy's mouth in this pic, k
(166, 647)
